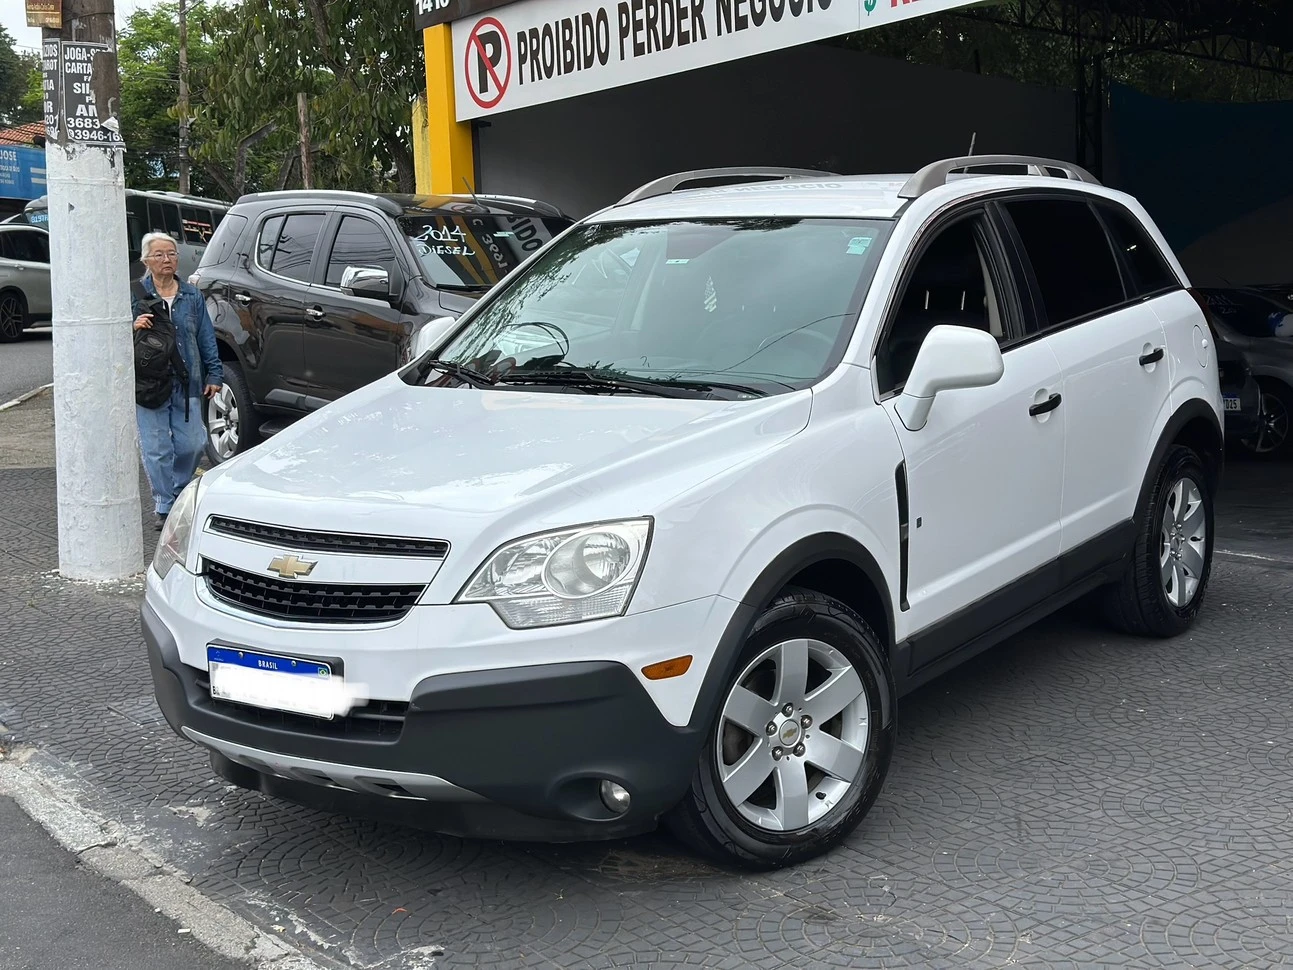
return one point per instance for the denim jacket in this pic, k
(196, 334)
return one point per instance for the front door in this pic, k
(984, 476)
(351, 340)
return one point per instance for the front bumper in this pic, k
(514, 752)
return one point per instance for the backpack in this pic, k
(158, 364)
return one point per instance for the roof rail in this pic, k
(325, 195)
(935, 174)
(670, 183)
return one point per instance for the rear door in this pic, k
(351, 340)
(271, 297)
(27, 252)
(1113, 351)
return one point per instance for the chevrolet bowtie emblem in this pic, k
(290, 567)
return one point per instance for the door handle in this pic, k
(1050, 404)
(1151, 358)
(314, 313)
(243, 298)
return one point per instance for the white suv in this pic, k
(663, 527)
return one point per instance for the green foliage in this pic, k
(16, 70)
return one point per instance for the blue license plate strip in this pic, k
(272, 681)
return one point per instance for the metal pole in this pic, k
(100, 535)
(184, 98)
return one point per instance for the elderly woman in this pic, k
(171, 437)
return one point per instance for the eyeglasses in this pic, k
(163, 256)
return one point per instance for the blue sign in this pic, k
(22, 172)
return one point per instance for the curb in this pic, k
(25, 397)
(44, 796)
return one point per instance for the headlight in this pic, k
(584, 573)
(173, 546)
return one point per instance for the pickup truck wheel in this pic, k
(801, 742)
(230, 417)
(1163, 587)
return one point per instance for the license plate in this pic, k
(274, 683)
(1232, 404)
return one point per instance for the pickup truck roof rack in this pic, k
(935, 174)
(671, 183)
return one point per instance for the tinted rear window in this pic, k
(1150, 272)
(1075, 267)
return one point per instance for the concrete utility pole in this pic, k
(184, 98)
(99, 525)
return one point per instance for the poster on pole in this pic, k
(50, 87)
(535, 51)
(71, 105)
(45, 13)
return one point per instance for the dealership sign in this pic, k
(534, 51)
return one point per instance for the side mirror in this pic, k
(367, 282)
(430, 334)
(950, 358)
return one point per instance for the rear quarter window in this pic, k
(1150, 272)
(224, 242)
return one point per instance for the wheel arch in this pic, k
(1196, 425)
(829, 563)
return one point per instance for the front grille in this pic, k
(309, 602)
(374, 721)
(329, 541)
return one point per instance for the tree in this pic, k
(16, 69)
(360, 66)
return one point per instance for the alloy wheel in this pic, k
(793, 735)
(222, 422)
(12, 317)
(1183, 542)
(1273, 430)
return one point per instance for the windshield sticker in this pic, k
(858, 245)
(676, 262)
(711, 296)
(444, 241)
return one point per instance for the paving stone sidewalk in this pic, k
(1071, 799)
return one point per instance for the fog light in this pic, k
(615, 797)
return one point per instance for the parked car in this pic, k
(190, 220)
(317, 293)
(1240, 392)
(669, 542)
(1258, 322)
(24, 279)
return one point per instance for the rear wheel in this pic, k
(231, 420)
(13, 316)
(1271, 439)
(802, 740)
(1163, 588)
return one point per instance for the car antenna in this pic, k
(973, 137)
(471, 191)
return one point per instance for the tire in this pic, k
(1272, 441)
(709, 819)
(1148, 601)
(13, 316)
(232, 416)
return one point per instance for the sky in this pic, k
(13, 14)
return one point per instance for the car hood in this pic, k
(448, 462)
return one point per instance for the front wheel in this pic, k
(802, 740)
(230, 417)
(13, 316)
(1163, 587)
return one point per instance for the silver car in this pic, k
(1258, 321)
(24, 279)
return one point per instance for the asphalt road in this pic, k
(27, 364)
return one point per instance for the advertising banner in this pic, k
(535, 51)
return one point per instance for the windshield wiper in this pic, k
(703, 385)
(464, 287)
(591, 381)
(464, 373)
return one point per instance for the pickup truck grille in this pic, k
(309, 602)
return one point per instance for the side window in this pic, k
(1150, 272)
(1071, 257)
(165, 217)
(266, 242)
(7, 248)
(359, 242)
(35, 245)
(197, 225)
(951, 284)
(295, 246)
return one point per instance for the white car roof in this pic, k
(813, 195)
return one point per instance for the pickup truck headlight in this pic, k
(583, 573)
(173, 546)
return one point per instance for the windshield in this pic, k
(763, 304)
(472, 251)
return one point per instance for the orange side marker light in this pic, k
(667, 668)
